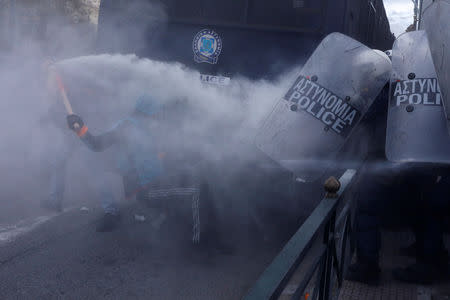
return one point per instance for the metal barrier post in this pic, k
(326, 272)
(323, 219)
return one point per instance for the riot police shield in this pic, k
(313, 120)
(416, 128)
(435, 20)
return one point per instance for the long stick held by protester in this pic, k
(63, 93)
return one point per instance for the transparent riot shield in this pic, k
(435, 20)
(416, 128)
(313, 120)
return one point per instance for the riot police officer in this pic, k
(416, 178)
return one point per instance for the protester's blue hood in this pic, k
(148, 105)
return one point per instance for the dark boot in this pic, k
(366, 272)
(108, 222)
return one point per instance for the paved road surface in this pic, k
(64, 258)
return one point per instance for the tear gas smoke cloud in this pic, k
(208, 130)
(103, 89)
(29, 140)
(217, 123)
(116, 81)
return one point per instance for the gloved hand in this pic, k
(72, 120)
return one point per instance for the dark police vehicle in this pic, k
(253, 38)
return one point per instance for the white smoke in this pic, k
(118, 81)
(113, 83)
(103, 89)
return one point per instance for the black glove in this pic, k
(74, 119)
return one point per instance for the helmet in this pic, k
(384, 54)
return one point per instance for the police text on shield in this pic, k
(416, 91)
(336, 113)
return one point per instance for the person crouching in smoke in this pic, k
(135, 150)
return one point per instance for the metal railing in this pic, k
(327, 261)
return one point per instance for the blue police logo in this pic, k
(207, 46)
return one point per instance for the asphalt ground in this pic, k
(62, 257)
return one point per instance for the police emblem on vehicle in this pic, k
(207, 46)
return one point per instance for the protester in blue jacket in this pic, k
(135, 149)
